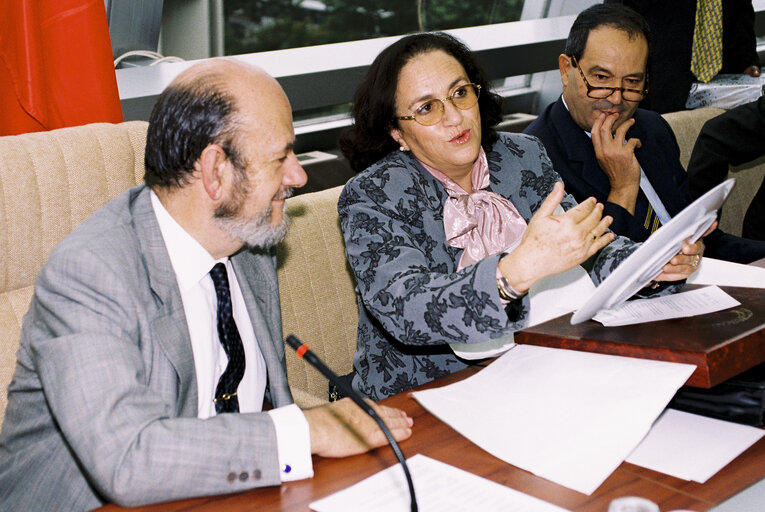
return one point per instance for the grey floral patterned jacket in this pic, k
(412, 300)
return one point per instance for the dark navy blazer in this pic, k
(573, 157)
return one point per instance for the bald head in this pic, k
(204, 105)
(226, 74)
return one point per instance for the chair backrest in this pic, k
(317, 291)
(686, 125)
(49, 183)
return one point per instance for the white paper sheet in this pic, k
(691, 303)
(692, 447)
(725, 273)
(571, 417)
(549, 298)
(439, 487)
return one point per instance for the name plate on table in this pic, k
(721, 344)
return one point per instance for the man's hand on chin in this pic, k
(616, 157)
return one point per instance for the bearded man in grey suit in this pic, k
(116, 394)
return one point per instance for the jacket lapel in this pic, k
(169, 324)
(654, 164)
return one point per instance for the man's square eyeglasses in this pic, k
(600, 93)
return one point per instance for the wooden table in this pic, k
(435, 439)
(721, 344)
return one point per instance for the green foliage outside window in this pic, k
(263, 25)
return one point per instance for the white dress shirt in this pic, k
(192, 264)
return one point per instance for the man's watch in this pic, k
(507, 292)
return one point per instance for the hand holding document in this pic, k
(574, 291)
(643, 265)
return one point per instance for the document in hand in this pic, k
(573, 290)
(646, 262)
(570, 417)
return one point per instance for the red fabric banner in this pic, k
(56, 66)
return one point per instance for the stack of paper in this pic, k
(571, 417)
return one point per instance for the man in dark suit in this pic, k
(154, 334)
(603, 145)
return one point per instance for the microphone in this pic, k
(304, 353)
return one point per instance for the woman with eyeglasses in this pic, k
(449, 223)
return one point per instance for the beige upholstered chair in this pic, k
(687, 125)
(49, 183)
(317, 293)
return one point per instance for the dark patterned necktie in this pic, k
(645, 213)
(225, 394)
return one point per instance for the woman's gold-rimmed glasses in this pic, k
(429, 113)
(633, 95)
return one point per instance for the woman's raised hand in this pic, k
(554, 243)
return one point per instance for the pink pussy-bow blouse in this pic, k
(481, 223)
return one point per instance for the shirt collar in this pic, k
(191, 262)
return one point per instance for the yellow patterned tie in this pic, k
(706, 58)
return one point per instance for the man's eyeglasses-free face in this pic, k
(429, 113)
(633, 95)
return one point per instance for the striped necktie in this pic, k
(706, 56)
(225, 393)
(645, 213)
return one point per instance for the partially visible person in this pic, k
(153, 340)
(732, 138)
(672, 30)
(604, 146)
(448, 224)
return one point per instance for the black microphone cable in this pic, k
(304, 353)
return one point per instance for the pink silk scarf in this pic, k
(481, 223)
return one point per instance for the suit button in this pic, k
(243, 476)
(231, 477)
(256, 474)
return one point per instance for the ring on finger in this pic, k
(594, 237)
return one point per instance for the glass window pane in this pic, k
(262, 25)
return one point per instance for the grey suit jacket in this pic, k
(103, 403)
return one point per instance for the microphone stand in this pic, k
(304, 353)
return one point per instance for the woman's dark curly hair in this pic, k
(374, 105)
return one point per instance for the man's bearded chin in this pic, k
(257, 231)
